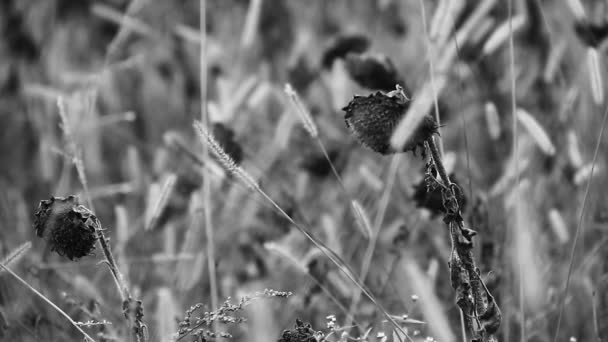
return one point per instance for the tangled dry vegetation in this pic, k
(271, 195)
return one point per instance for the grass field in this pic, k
(243, 185)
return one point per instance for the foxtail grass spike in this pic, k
(302, 112)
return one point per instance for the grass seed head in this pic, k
(69, 228)
(372, 120)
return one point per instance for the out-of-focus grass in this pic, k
(143, 162)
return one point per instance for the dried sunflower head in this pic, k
(372, 120)
(68, 228)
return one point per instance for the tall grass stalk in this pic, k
(206, 191)
(41, 296)
(240, 173)
(579, 226)
(313, 131)
(16, 254)
(371, 244)
(522, 313)
(358, 212)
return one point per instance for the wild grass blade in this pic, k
(579, 226)
(48, 301)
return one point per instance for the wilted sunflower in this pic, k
(68, 228)
(372, 120)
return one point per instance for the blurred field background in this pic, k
(132, 85)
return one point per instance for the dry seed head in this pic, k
(69, 228)
(595, 76)
(14, 256)
(372, 120)
(537, 132)
(224, 158)
(305, 116)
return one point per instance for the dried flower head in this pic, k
(341, 46)
(373, 71)
(372, 120)
(68, 228)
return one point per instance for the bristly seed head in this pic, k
(373, 119)
(69, 228)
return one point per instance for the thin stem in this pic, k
(333, 168)
(438, 162)
(209, 231)
(89, 338)
(336, 260)
(522, 314)
(373, 239)
(580, 225)
(123, 290)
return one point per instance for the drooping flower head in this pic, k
(68, 228)
(372, 120)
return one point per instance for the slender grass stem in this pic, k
(41, 296)
(438, 162)
(206, 187)
(522, 313)
(579, 226)
(371, 245)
